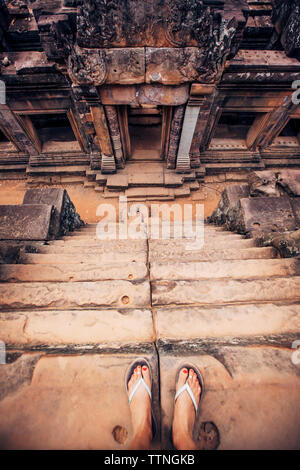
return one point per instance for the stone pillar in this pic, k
(108, 164)
(205, 97)
(175, 135)
(113, 124)
(183, 163)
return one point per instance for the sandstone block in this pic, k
(290, 181)
(27, 222)
(65, 217)
(265, 214)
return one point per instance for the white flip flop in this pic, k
(186, 386)
(140, 383)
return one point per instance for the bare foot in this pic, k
(140, 405)
(184, 411)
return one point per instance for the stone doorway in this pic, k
(146, 131)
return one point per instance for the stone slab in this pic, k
(263, 183)
(102, 259)
(72, 272)
(204, 326)
(219, 242)
(122, 294)
(251, 397)
(147, 179)
(66, 217)
(173, 180)
(212, 254)
(117, 182)
(103, 329)
(290, 181)
(82, 389)
(225, 291)
(234, 269)
(224, 213)
(265, 214)
(30, 222)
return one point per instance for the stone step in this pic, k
(169, 233)
(212, 254)
(110, 328)
(72, 272)
(154, 230)
(72, 169)
(197, 326)
(234, 269)
(143, 192)
(62, 296)
(74, 390)
(103, 259)
(209, 229)
(145, 179)
(238, 381)
(216, 292)
(96, 245)
(182, 245)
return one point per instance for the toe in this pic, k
(191, 377)
(183, 374)
(146, 375)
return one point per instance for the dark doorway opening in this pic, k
(145, 130)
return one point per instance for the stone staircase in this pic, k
(149, 180)
(77, 312)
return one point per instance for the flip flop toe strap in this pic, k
(142, 382)
(189, 390)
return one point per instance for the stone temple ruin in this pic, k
(159, 102)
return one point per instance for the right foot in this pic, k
(184, 411)
(140, 405)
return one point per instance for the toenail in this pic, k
(185, 371)
(144, 368)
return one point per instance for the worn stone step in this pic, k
(166, 234)
(150, 191)
(95, 245)
(239, 381)
(236, 324)
(219, 243)
(145, 179)
(179, 231)
(102, 259)
(211, 254)
(72, 272)
(109, 226)
(225, 291)
(102, 328)
(208, 229)
(121, 294)
(234, 269)
(70, 401)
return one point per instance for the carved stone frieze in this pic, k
(87, 67)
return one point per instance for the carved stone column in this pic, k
(113, 124)
(108, 164)
(175, 135)
(183, 163)
(205, 97)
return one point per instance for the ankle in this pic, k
(143, 428)
(143, 433)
